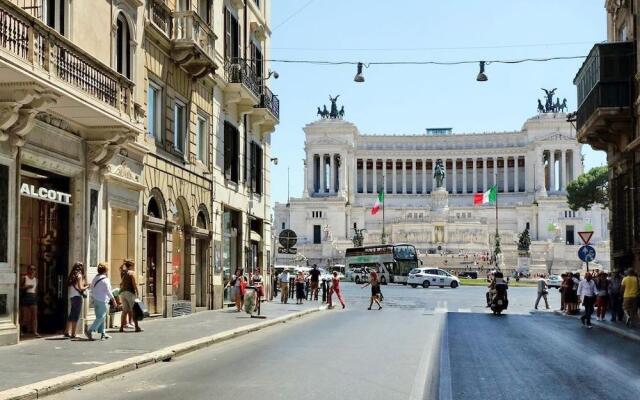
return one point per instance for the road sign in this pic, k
(587, 253)
(282, 250)
(585, 236)
(287, 239)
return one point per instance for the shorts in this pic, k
(76, 308)
(128, 299)
(314, 285)
(375, 290)
(28, 300)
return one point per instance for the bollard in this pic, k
(292, 288)
(324, 291)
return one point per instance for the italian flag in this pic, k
(487, 197)
(378, 204)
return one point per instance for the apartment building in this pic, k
(133, 129)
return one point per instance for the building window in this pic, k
(183, 5)
(4, 213)
(570, 235)
(123, 47)
(179, 126)
(283, 225)
(153, 111)
(202, 133)
(232, 44)
(231, 152)
(55, 12)
(256, 59)
(317, 234)
(204, 10)
(255, 168)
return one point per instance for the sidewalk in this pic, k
(34, 361)
(619, 328)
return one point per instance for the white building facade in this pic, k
(345, 170)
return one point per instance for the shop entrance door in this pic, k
(201, 273)
(44, 243)
(153, 286)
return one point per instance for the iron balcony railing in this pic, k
(270, 101)
(161, 16)
(189, 27)
(26, 37)
(239, 71)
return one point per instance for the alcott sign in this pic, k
(45, 194)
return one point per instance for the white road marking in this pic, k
(444, 386)
(88, 363)
(464, 310)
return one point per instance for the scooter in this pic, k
(499, 302)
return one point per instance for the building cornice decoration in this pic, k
(19, 108)
(100, 153)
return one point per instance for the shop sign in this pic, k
(45, 194)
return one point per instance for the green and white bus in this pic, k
(392, 261)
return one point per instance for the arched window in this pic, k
(153, 210)
(123, 46)
(201, 222)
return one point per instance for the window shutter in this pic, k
(227, 34)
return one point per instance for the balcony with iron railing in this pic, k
(270, 103)
(605, 91)
(33, 51)
(239, 73)
(193, 43)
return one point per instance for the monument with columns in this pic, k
(344, 169)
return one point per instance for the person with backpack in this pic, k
(128, 295)
(102, 297)
(76, 287)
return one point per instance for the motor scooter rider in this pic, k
(496, 283)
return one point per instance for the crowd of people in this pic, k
(602, 293)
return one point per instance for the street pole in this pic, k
(495, 251)
(384, 238)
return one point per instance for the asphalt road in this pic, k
(360, 354)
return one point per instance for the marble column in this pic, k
(394, 178)
(484, 174)
(364, 175)
(413, 176)
(374, 176)
(464, 176)
(516, 182)
(552, 170)
(384, 176)
(506, 174)
(475, 175)
(331, 174)
(433, 171)
(454, 177)
(322, 173)
(404, 176)
(424, 176)
(563, 185)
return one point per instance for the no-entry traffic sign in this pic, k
(585, 236)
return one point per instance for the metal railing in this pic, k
(189, 27)
(270, 101)
(161, 16)
(29, 39)
(239, 71)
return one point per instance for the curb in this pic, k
(61, 383)
(611, 328)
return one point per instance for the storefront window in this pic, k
(4, 212)
(122, 242)
(180, 274)
(229, 248)
(93, 229)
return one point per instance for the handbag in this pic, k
(139, 310)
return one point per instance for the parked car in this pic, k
(426, 277)
(468, 274)
(554, 281)
(360, 275)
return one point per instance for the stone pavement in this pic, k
(619, 328)
(37, 360)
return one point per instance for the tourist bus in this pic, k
(392, 261)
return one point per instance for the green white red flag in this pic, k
(488, 197)
(379, 203)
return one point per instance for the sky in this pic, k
(407, 99)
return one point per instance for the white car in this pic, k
(426, 277)
(554, 281)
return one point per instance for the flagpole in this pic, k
(495, 181)
(384, 240)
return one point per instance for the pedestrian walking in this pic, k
(615, 297)
(375, 289)
(543, 290)
(588, 292)
(102, 296)
(29, 301)
(299, 282)
(602, 299)
(128, 295)
(562, 291)
(77, 289)
(629, 288)
(335, 288)
(314, 282)
(283, 278)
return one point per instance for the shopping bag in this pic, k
(139, 310)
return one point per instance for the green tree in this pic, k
(589, 188)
